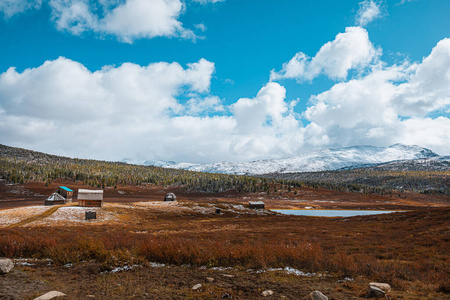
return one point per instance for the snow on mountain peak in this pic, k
(314, 161)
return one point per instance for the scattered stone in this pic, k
(209, 279)
(227, 275)
(51, 295)
(90, 296)
(267, 293)
(376, 292)
(382, 286)
(196, 287)
(6, 265)
(226, 296)
(316, 295)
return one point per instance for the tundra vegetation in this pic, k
(408, 250)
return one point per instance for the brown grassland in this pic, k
(170, 248)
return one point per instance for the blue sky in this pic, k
(210, 80)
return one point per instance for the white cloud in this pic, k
(197, 106)
(266, 126)
(127, 20)
(389, 105)
(14, 7)
(200, 27)
(74, 16)
(349, 50)
(369, 10)
(207, 1)
(135, 111)
(428, 88)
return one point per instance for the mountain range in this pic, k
(319, 160)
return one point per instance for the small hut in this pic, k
(256, 204)
(66, 193)
(170, 197)
(55, 199)
(90, 198)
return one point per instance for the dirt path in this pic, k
(44, 215)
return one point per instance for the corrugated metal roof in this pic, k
(65, 188)
(255, 202)
(84, 191)
(55, 197)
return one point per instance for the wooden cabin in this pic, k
(55, 199)
(90, 198)
(65, 192)
(170, 197)
(256, 204)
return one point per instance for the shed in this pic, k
(170, 197)
(66, 193)
(90, 198)
(55, 199)
(256, 204)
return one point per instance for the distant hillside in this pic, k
(429, 175)
(426, 176)
(315, 161)
(20, 165)
(440, 163)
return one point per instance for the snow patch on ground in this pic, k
(74, 215)
(156, 265)
(287, 270)
(16, 215)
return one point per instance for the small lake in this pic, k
(331, 212)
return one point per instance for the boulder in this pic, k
(51, 295)
(197, 287)
(6, 265)
(376, 292)
(382, 286)
(316, 295)
(267, 293)
(209, 279)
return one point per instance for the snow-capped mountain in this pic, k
(320, 160)
(439, 163)
(143, 162)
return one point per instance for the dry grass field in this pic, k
(141, 247)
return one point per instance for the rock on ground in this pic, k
(196, 287)
(382, 286)
(51, 295)
(267, 293)
(6, 265)
(316, 295)
(376, 292)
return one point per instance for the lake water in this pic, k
(331, 212)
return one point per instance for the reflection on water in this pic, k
(331, 212)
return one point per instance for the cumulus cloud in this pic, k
(351, 49)
(368, 11)
(207, 1)
(266, 125)
(389, 105)
(428, 88)
(197, 106)
(14, 7)
(137, 111)
(127, 20)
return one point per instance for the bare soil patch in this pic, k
(408, 250)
